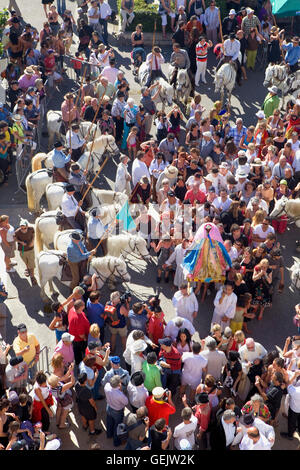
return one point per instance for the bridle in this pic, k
(134, 248)
(112, 270)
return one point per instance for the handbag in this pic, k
(123, 430)
(66, 400)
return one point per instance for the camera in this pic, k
(165, 396)
(125, 297)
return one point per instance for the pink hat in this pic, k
(250, 342)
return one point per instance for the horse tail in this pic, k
(36, 162)
(30, 193)
(38, 236)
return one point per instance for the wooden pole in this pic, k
(107, 231)
(81, 83)
(94, 118)
(70, 146)
(221, 30)
(93, 180)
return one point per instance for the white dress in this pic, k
(178, 256)
(122, 184)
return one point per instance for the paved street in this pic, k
(24, 303)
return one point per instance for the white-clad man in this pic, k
(185, 304)
(247, 421)
(251, 352)
(177, 257)
(222, 202)
(225, 303)
(139, 169)
(122, 183)
(254, 440)
(95, 231)
(74, 142)
(174, 325)
(293, 390)
(186, 429)
(194, 369)
(70, 207)
(231, 49)
(216, 359)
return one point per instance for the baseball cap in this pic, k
(115, 359)
(22, 326)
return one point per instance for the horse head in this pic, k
(121, 270)
(167, 92)
(279, 208)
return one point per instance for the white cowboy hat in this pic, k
(273, 89)
(232, 12)
(210, 178)
(29, 71)
(224, 165)
(171, 171)
(257, 162)
(260, 114)
(207, 134)
(249, 10)
(138, 346)
(241, 174)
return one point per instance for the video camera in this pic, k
(125, 297)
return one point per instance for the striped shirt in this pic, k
(201, 52)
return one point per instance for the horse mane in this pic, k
(104, 260)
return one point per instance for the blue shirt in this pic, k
(138, 320)
(293, 53)
(4, 115)
(74, 254)
(94, 313)
(60, 159)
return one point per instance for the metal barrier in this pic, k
(23, 160)
(43, 362)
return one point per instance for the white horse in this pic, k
(225, 78)
(289, 207)
(183, 86)
(105, 267)
(278, 75)
(55, 192)
(46, 226)
(295, 274)
(166, 94)
(117, 245)
(37, 181)
(54, 119)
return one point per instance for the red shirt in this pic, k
(203, 416)
(173, 358)
(158, 409)
(156, 327)
(198, 196)
(97, 366)
(78, 324)
(49, 62)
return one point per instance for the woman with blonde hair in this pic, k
(238, 340)
(258, 218)
(59, 369)
(94, 333)
(63, 395)
(87, 100)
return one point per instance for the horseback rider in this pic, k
(75, 143)
(154, 61)
(180, 60)
(77, 256)
(61, 163)
(71, 209)
(292, 56)
(70, 113)
(78, 179)
(231, 48)
(95, 231)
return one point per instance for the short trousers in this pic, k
(28, 258)
(121, 331)
(164, 20)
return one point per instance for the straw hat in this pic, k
(29, 71)
(171, 171)
(257, 162)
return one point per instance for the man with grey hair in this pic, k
(140, 425)
(186, 429)
(148, 102)
(216, 359)
(224, 431)
(174, 325)
(196, 119)
(116, 402)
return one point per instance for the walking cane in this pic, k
(81, 83)
(96, 114)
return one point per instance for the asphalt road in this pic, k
(24, 303)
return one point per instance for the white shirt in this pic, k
(129, 342)
(185, 306)
(137, 395)
(229, 429)
(76, 141)
(295, 146)
(177, 256)
(193, 365)
(105, 10)
(136, 361)
(262, 205)
(249, 356)
(91, 12)
(232, 48)
(265, 429)
(69, 205)
(115, 398)
(185, 431)
(216, 360)
(233, 254)
(122, 184)
(111, 73)
(261, 444)
(227, 307)
(152, 62)
(259, 231)
(171, 329)
(95, 228)
(296, 161)
(294, 394)
(222, 205)
(139, 169)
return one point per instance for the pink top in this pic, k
(65, 110)
(66, 351)
(26, 81)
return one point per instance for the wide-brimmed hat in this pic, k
(257, 162)
(138, 346)
(232, 12)
(209, 178)
(202, 398)
(67, 337)
(273, 89)
(241, 173)
(29, 71)
(158, 392)
(138, 378)
(247, 419)
(17, 117)
(224, 165)
(171, 171)
(249, 10)
(260, 114)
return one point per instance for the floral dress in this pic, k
(263, 413)
(261, 292)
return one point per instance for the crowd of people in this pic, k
(228, 388)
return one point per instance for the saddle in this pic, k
(66, 274)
